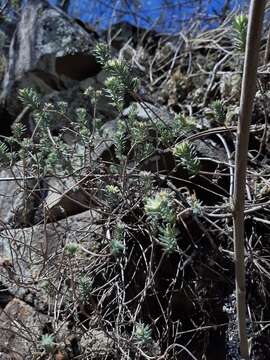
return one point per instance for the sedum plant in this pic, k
(29, 97)
(102, 53)
(115, 91)
(120, 79)
(47, 342)
(142, 334)
(195, 204)
(47, 153)
(185, 155)
(71, 249)
(85, 287)
(117, 247)
(112, 194)
(167, 238)
(219, 112)
(160, 210)
(239, 27)
(160, 207)
(117, 243)
(5, 156)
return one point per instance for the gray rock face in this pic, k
(147, 112)
(31, 254)
(47, 48)
(17, 197)
(17, 342)
(97, 343)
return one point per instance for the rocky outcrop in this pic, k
(49, 51)
(31, 254)
(17, 343)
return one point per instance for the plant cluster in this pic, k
(153, 267)
(161, 212)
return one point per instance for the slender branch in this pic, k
(267, 50)
(256, 13)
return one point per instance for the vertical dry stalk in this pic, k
(267, 50)
(256, 13)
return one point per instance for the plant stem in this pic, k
(256, 13)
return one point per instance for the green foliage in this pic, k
(52, 158)
(30, 97)
(185, 155)
(180, 126)
(141, 139)
(93, 94)
(102, 53)
(239, 27)
(81, 115)
(85, 287)
(144, 136)
(184, 123)
(47, 342)
(117, 243)
(120, 79)
(5, 156)
(47, 287)
(117, 247)
(46, 153)
(195, 204)
(18, 131)
(71, 249)
(122, 71)
(167, 238)
(2, 40)
(62, 107)
(146, 181)
(116, 91)
(82, 126)
(143, 334)
(112, 194)
(120, 137)
(160, 207)
(133, 134)
(219, 111)
(15, 4)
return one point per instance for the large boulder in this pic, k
(20, 330)
(19, 197)
(30, 255)
(49, 51)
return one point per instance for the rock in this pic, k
(9, 189)
(58, 49)
(97, 343)
(21, 327)
(230, 86)
(19, 198)
(5, 297)
(147, 111)
(75, 98)
(30, 255)
(124, 32)
(66, 198)
(5, 356)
